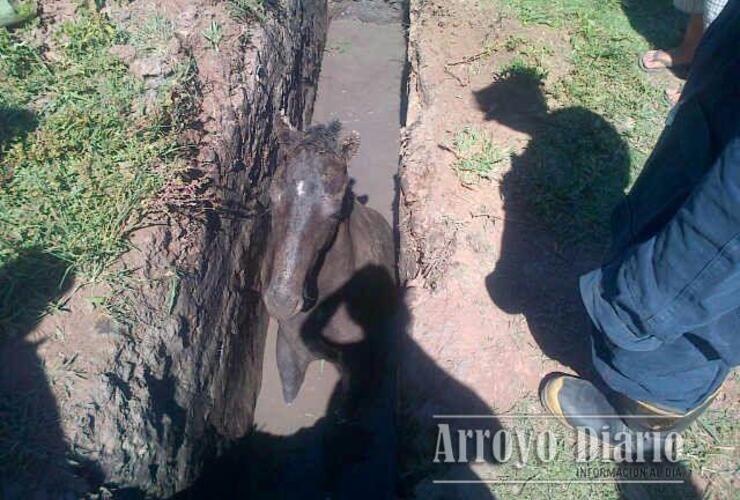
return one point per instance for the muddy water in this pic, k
(361, 86)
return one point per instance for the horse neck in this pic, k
(343, 240)
(338, 262)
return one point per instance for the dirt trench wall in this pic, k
(185, 381)
(422, 240)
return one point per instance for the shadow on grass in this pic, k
(358, 450)
(34, 458)
(662, 481)
(557, 199)
(658, 21)
(15, 123)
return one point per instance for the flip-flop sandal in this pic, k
(641, 63)
(11, 15)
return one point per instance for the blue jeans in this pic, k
(666, 303)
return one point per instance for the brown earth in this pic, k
(455, 235)
(143, 403)
(492, 293)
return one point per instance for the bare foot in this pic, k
(682, 55)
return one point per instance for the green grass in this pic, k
(247, 10)
(82, 152)
(153, 36)
(605, 77)
(601, 80)
(214, 35)
(477, 156)
(713, 457)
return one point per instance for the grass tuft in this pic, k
(477, 156)
(153, 36)
(214, 35)
(247, 10)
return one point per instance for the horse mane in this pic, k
(323, 137)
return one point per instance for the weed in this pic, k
(514, 42)
(247, 10)
(477, 156)
(153, 35)
(518, 66)
(214, 35)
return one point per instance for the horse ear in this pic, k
(287, 135)
(350, 145)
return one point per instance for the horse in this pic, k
(329, 275)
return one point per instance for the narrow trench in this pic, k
(359, 85)
(290, 453)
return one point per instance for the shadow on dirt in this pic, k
(557, 199)
(353, 452)
(34, 457)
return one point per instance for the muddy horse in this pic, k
(329, 275)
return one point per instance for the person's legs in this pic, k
(665, 305)
(702, 13)
(679, 375)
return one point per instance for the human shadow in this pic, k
(34, 456)
(355, 451)
(557, 199)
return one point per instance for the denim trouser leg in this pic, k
(666, 306)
